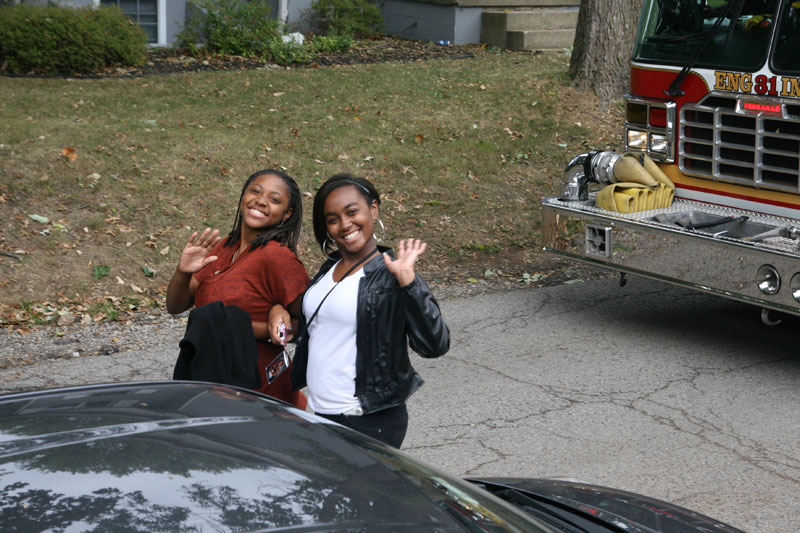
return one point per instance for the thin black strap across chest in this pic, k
(349, 271)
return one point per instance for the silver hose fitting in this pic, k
(596, 166)
(602, 167)
(577, 181)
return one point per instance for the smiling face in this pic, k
(265, 203)
(350, 221)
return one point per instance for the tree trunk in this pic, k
(603, 44)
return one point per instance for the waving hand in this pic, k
(407, 254)
(195, 253)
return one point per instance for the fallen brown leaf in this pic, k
(69, 154)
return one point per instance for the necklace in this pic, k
(233, 259)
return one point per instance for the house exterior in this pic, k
(164, 19)
(161, 19)
(454, 21)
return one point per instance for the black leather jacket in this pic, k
(389, 319)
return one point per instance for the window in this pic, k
(671, 32)
(787, 39)
(144, 12)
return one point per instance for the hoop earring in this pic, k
(383, 230)
(325, 249)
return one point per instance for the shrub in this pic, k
(66, 40)
(346, 17)
(229, 27)
(331, 43)
(288, 53)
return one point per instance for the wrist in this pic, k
(275, 312)
(181, 274)
(405, 278)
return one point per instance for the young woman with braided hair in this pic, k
(254, 268)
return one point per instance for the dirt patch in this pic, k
(167, 61)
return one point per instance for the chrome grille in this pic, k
(719, 141)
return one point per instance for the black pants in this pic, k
(387, 426)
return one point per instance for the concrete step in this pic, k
(499, 4)
(539, 19)
(539, 39)
(538, 28)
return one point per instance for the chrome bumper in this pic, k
(638, 244)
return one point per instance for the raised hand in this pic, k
(195, 254)
(403, 267)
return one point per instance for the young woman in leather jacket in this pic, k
(359, 315)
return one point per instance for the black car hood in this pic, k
(183, 456)
(621, 510)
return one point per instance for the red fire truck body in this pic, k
(715, 101)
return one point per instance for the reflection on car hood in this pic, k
(81, 436)
(630, 512)
(193, 457)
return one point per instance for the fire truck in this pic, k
(713, 117)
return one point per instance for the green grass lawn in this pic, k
(124, 169)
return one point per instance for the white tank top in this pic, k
(331, 372)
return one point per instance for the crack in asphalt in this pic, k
(711, 433)
(681, 420)
(500, 457)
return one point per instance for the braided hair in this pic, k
(288, 231)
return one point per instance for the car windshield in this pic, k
(672, 31)
(787, 40)
(475, 510)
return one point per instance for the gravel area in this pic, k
(155, 331)
(53, 343)
(23, 353)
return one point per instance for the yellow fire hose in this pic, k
(640, 186)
